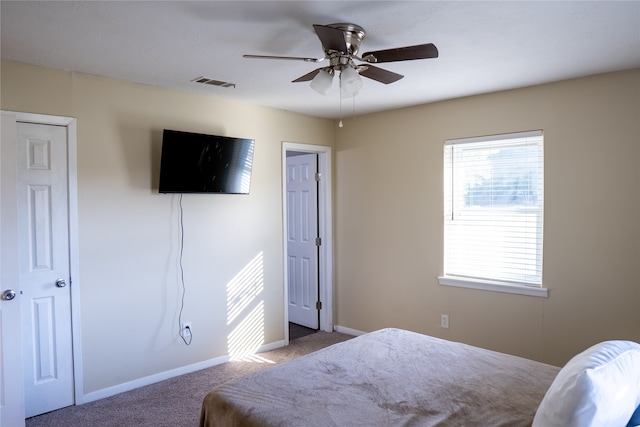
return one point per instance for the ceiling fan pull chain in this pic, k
(340, 97)
(354, 106)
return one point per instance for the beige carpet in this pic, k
(176, 401)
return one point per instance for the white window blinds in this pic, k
(494, 208)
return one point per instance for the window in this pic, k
(494, 212)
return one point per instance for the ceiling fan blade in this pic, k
(379, 74)
(331, 38)
(421, 51)
(289, 58)
(307, 77)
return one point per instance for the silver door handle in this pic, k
(8, 295)
(61, 283)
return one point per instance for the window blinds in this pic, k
(494, 208)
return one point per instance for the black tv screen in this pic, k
(199, 163)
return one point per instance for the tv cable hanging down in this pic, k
(185, 332)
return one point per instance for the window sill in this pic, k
(488, 285)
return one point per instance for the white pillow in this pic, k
(599, 387)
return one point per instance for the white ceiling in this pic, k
(484, 46)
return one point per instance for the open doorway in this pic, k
(323, 296)
(303, 240)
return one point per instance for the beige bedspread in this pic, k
(390, 377)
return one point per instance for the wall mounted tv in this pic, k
(199, 163)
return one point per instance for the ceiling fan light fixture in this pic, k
(344, 93)
(321, 83)
(350, 82)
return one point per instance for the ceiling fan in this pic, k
(341, 43)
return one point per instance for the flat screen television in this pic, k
(199, 163)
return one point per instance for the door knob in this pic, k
(8, 295)
(61, 283)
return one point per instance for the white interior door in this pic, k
(11, 385)
(44, 267)
(302, 230)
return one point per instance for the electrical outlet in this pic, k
(186, 330)
(444, 321)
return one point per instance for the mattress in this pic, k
(389, 377)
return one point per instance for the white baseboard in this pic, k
(348, 331)
(161, 376)
(151, 379)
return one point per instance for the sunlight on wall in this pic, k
(242, 294)
(243, 289)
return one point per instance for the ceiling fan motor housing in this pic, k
(353, 35)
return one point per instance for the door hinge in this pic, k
(318, 176)
(318, 305)
(318, 241)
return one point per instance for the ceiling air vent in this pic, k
(213, 82)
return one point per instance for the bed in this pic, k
(393, 377)
(389, 377)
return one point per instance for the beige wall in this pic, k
(389, 215)
(129, 234)
(388, 218)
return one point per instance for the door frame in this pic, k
(325, 231)
(74, 268)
